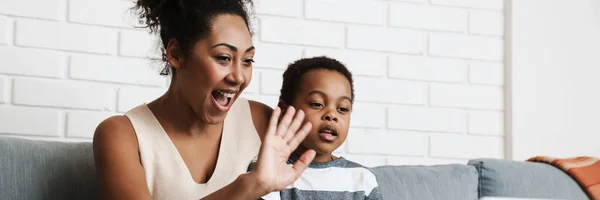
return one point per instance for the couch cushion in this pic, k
(427, 182)
(525, 179)
(46, 170)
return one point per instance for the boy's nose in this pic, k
(330, 116)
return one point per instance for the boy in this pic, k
(322, 87)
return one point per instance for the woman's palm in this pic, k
(279, 142)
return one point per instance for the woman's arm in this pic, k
(246, 186)
(119, 170)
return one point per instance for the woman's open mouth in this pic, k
(223, 98)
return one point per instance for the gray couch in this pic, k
(54, 170)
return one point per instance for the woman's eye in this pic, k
(250, 61)
(223, 58)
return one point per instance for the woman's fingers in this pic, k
(306, 158)
(285, 121)
(294, 126)
(299, 136)
(272, 129)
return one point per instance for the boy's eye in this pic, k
(316, 105)
(344, 110)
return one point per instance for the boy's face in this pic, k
(324, 96)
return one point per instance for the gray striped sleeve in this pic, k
(294, 193)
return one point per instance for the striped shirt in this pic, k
(337, 179)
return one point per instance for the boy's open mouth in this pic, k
(223, 97)
(327, 133)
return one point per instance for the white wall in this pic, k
(429, 74)
(555, 78)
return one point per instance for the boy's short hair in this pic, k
(294, 72)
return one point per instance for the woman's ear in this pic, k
(174, 53)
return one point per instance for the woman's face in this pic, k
(217, 70)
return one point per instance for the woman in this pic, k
(197, 140)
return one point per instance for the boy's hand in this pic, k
(281, 139)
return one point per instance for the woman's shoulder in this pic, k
(113, 132)
(260, 116)
(116, 156)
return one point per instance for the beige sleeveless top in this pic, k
(168, 176)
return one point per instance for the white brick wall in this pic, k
(482, 4)
(29, 121)
(486, 23)
(3, 89)
(108, 13)
(465, 46)
(388, 91)
(115, 69)
(290, 8)
(270, 81)
(355, 60)
(62, 94)
(371, 12)
(276, 56)
(388, 143)
(63, 36)
(385, 39)
(31, 62)
(426, 68)
(368, 115)
(428, 74)
(486, 73)
(461, 96)
(130, 97)
(430, 17)
(254, 86)
(285, 30)
(3, 30)
(81, 124)
(426, 119)
(138, 44)
(43, 9)
(465, 147)
(486, 122)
